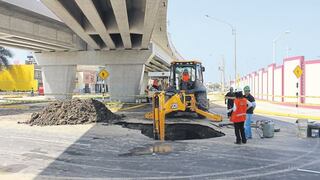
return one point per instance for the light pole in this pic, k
(222, 69)
(234, 33)
(274, 44)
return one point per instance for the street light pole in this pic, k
(223, 78)
(234, 33)
(235, 54)
(274, 43)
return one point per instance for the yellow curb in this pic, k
(14, 107)
(300, 116)
(132, 107)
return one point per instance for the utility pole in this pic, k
(222, 70)
(234, 33)
(288, 49)
(235, 52)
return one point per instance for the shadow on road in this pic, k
(116, 152)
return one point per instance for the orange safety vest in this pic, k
(239, 115)
(185, 77)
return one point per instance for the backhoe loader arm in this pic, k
(177, 102)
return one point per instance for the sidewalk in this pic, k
(268, 108)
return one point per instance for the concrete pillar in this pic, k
(126, 69)
(58, 80)
(124, 81)
(144, 83)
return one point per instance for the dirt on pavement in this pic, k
(75, 111)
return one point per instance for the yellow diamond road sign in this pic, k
(103, 74)
(298, 71)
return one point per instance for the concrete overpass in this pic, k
(26, 29)
(128, 36)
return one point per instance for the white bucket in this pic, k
(302, 127)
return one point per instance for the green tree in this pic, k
(4, 55)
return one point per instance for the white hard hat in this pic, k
(238, 89)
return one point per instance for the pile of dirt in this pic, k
(75, 111)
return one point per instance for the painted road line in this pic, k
(308, 171)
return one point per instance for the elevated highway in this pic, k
(22, 28)
(129, 37)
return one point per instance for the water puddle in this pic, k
(153, 149)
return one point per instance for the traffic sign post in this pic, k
(297, 94)
(103, 74)
(298, 73)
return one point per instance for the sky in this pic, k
(257, 24)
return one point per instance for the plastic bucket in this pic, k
(302, 127)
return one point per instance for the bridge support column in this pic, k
(59, 80)
(124, 81)
(126, 71)
(144, 83)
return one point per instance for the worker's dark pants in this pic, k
(239, 131)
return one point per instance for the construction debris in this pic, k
(75, 111)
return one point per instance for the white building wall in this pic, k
(252, 84)
(260, 86)
(270, 82)
(265, 85)
(312, 82)
(278, 84)
(256, 85)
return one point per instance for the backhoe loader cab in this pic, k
(179, 72)
(188, 76)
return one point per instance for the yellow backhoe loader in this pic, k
(186, 93)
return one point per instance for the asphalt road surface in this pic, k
(97, 151)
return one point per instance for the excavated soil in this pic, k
(75, 111)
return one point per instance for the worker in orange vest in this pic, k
(238, 116)
(185, 80)
(185, 75)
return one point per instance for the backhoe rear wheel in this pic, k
(202, 103)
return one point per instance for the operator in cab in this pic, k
(185, 80)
